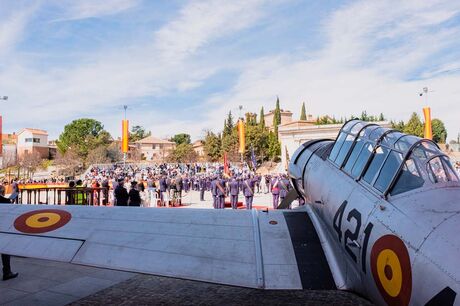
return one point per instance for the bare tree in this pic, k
(30, 162)
(69, 162)
(98, 155)
(9, 159)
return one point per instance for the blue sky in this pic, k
(180, 66)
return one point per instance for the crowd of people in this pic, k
(166, 184)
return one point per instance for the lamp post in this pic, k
(428, 132)
(425, 93)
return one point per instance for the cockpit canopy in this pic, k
(389, 161)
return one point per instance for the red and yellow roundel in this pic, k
(391, 269)
(41, 221)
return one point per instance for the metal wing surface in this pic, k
(243, 248)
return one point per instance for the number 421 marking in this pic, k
(350, 237)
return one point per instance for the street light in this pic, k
(425, 92)
(4, 98)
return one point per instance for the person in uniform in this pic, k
(163, 189)
(220, 193)
(202, 185)
(234, 190)
(257, 180)
(275, 191)
(248, 191)
(179, 187)
(214, 192)
(6, 259)
(186, 184)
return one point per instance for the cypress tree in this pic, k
(277, 117)
(262, 118)
(303, 112)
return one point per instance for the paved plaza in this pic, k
(43, 282)
(192, 200)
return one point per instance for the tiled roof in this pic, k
(34, 131)
(154, 140)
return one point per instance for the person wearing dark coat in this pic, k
(234, 190)
(121, 195)
(186, 184)
(202, 185)
(214, 192)
(134, 196)
(248, 191)
(105, 185)
(179, 187)
(163, 189)
(220, 193)
(6, 259)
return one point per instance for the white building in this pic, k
(32, 141)
(155, 149)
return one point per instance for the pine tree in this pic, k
(303, 112)
(230, 123)
(414, 126)
(262, 118)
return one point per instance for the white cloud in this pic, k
(357, 70)
(82, 9)
(371, 47)
(110, 77)
(12, 28)
(201, 22)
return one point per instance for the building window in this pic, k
(34, 140)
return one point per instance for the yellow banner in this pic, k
(241, 135)
(428, 131)
(125, 136)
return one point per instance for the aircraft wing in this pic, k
(272, 250)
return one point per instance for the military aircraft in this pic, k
(380, 220)
(386, 207)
